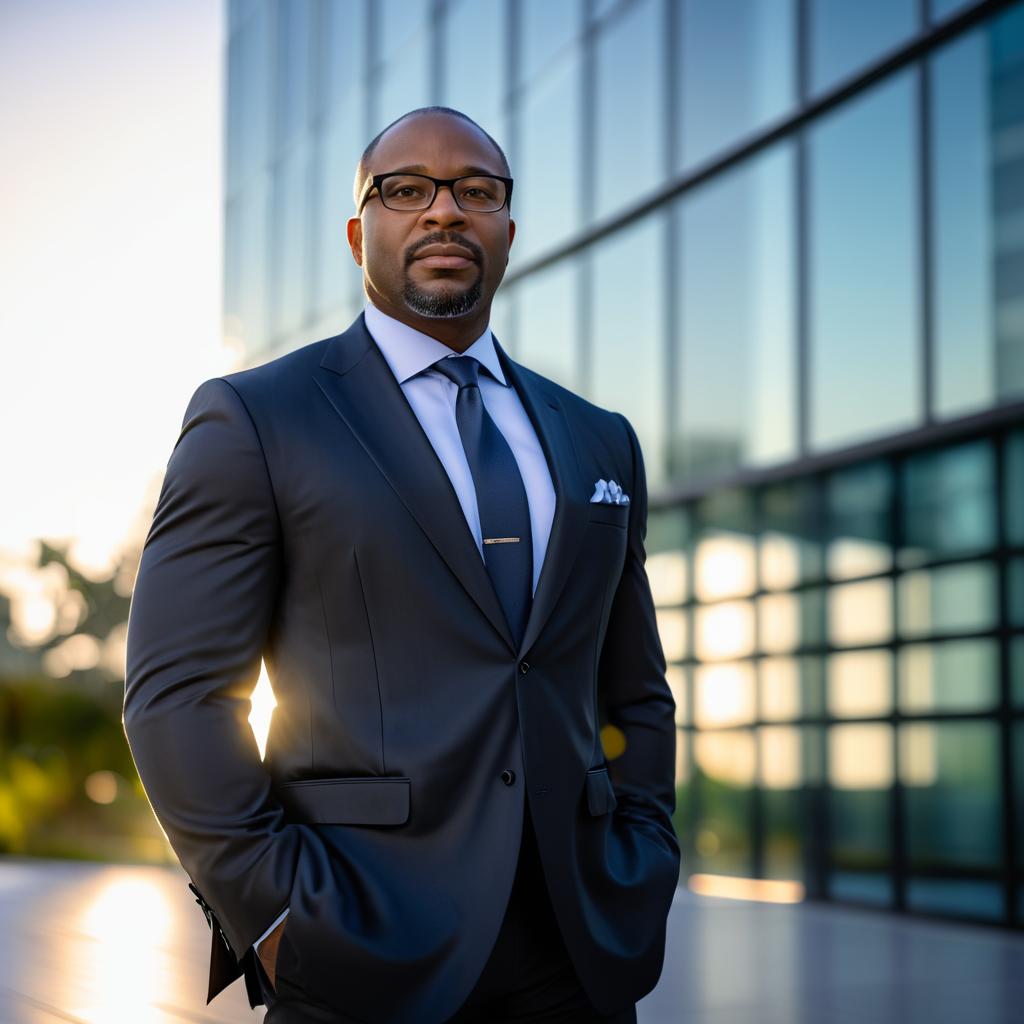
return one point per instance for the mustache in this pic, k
(443, 238)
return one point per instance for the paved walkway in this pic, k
(98, 944)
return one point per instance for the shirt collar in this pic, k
(409, 352)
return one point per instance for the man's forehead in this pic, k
(428, 144)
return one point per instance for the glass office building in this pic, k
(786, 239)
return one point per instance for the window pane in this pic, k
(1014, 484)
(860, 613)
(860, 684)
(789, 688)
(951, 794)
(725, 764)
(978, 215)
(948, 503)
(246, 253)
(342, 58)
(724, 630)
(1017, 671)
(628, 336)
(339, 279)
(1015, 591)
(723, 695)
(788, 548)
(860, 767)
(959, 675)
(736, 365)
(545, 29)
(953, 599)
(290, 277)
(474, 65)
(943, 8)
(404, 82)
(864, 320)
(858, 532)
(846, 36)
(546, 331)
(630, 106)
(781, 773)
(964, 897)
(668, 546)
(294, 24)
(549, 131)
(725, 551)
(737, 70)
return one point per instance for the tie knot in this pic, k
(464, 370)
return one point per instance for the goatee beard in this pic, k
(442, 304)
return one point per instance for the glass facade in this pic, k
(786, 239)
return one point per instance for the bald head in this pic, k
(363, 168)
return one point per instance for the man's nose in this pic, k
(444, 209)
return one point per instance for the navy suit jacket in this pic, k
(306, 520)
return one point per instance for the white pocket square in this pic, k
(608, 492)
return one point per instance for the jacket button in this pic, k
(508, 776)
(524, 667)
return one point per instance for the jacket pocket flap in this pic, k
(600, 794)
(366, 800)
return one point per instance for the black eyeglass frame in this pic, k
(377, 179)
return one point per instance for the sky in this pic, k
(110, 260)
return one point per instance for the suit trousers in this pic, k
(528, 976)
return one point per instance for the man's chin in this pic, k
(445, 302)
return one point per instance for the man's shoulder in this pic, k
(278, 375)
(580, 410)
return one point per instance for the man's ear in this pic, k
(511, 231)
(354, 231)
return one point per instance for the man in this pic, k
(439, 555)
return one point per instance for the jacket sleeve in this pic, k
(198, 622)
(634, 693)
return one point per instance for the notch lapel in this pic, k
(359, 384)
(571, 495)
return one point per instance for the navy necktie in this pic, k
(500, 495)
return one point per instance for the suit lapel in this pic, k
(359, 384)
(571, 495)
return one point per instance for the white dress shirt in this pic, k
(432, 396)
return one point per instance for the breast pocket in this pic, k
(612, 515)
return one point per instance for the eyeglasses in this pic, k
(477, 193)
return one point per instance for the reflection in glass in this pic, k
(342, 30)
(250, 92)
(780, 776)
(293, 26)
(958, 896)
(958, 675)
(948, 502)
(1017, 671)
(864, 319)
(725, 764)
(549, 138)
(630, 107)
(724, 630)
(404, 82)
(951, 793)
(672, 628)
(737, 71)
(790, 552)
(860, 613)
(246, 240)
(978, 213)
(860, 684)
(666, 573)
(723, 695)
(736, 350)
(724, 565)
(547, 327)
(860, 757)
(847, 36)
(944, 8)
(628, 336)
(474, 66)
(858, 536)
(950, 599)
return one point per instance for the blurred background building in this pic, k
(786, 239)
